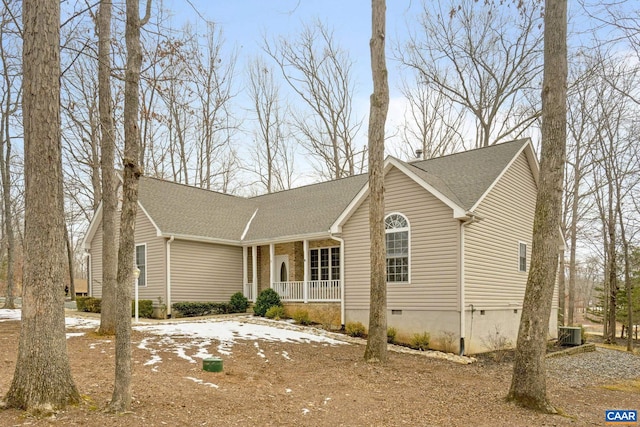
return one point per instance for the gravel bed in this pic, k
(593, 368)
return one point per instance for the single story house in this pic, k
(458, 238)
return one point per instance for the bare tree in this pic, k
(433, 124)
(213, 81)
(42, 335)
(273, 156)
(581, 137)
(319, 71)
(376, 350)
(485, 58)
(528, 385)
(10, 100)
(615, 157)
(121, 399)
(107, 169)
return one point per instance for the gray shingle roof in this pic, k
(464, 177)
(188, 211)
(309, 209)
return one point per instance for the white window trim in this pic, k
(408, 229)
(330, 266)
(526, 256)
(146, 264)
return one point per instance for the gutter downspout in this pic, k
(342, 305)
(168, 273)
(87, 257)
(472, 218)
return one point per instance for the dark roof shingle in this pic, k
(182, 210)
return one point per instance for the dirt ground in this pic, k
(293, 384)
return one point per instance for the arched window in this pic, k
(397, 239)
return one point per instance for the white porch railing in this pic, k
(317, 290)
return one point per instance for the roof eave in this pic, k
(93, 228)
(290, 238)
(527, 148)
(201, 239)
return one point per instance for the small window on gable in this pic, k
(397, 243)
(522, 257)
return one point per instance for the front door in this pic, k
(282, 268)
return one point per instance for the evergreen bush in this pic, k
(266, 299)
(238, 303)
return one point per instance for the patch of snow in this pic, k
(154, 359)
(286, 355)
(228, 331)
(74, 334)
(180, 351)
(224, 348)
(326, 399)
(287, 390)
(202, 352)
(305, 411)
(10, 314)
(199, 381)
(81, 322)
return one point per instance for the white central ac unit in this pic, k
(570, 335)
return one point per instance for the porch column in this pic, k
(305, 287)
(254, 269)
(272, 256)
(245, 267)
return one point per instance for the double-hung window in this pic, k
(397, 241)
(522, 257)
(325, 263)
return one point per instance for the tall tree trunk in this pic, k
(528, 386)
(628, 284)
(5, 170)
(605, 287)
(376, 350)
(121, 399)
(5, 174)
(610, 338)
(574, 234)
(109, 179)
(42, 381)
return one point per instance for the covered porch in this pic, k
(307, 270)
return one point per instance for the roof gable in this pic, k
(471, 174)
(461, 180)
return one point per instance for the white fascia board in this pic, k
(533, 164)
(93, 228)
(286, 239)
(201, 239)
(336, 227)
(158, 231)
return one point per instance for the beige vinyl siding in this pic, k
(204, 271)
(434, 250)
(96, 263)
(145, 233)
(156, 253)
(492, 276)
